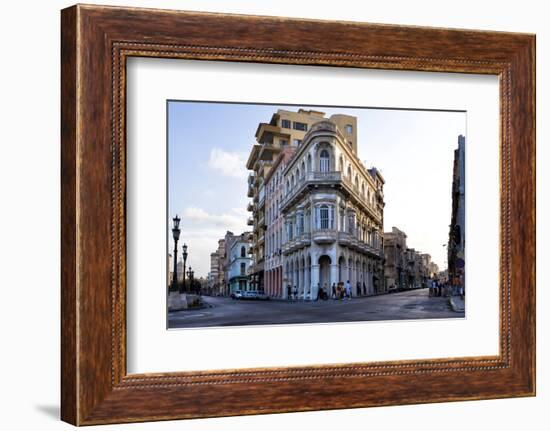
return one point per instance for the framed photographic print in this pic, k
(295, 214)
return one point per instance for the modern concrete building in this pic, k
(239, 261)
(333, 211)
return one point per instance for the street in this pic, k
(415, 304)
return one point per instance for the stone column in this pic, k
(334, 269)
(307, 280)
(314, 279)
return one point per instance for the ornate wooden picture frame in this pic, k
(96, 42)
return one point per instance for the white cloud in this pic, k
(227, 163)
(201, 231)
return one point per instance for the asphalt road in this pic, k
(414, 304)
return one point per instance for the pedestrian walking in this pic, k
(295, 292)
(348, 290)
(288, 292)
(333, 290)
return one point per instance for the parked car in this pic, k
(238, 294)
(254, 294)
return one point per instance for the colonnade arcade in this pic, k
(304, 274)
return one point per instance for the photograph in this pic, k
(298, 214)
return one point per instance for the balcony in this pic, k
(250, 192)
(344, 238)
(333, 179)
(324, 236)
(250, 207)
(250, 221)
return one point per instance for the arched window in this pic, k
(324, 161)
(341, 164)
(357, 182)
(243, 251)
(309, 162)
(303, 169)
(349, 173)
(243, 268)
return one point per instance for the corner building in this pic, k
(286, 129)
(333, 214)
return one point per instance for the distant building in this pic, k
(455, 249)
(217, 270)
(395, 254)
(239, 261)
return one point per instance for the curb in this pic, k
(456, 308)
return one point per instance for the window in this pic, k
(300, 126)
(349, 129)
(285, 124)
(300, 224)
(290, 233)
(351, 223)
(324, 161)
(309, 162)
(243, 251)
(323, 217)
(243, 268)
(283, 142)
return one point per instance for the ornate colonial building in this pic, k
(333, 213)
(286, 129)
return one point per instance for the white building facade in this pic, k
(239, 262)
(333, 215)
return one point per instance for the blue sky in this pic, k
(208, 144)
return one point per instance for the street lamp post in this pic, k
(184, 255)
(176, 235)
(190, 273)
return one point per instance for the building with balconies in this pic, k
(333, 214)
(286, 129)
(274, 221)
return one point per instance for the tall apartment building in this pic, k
(285, 129)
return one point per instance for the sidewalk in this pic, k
(457, 304)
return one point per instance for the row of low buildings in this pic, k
(404, 267)
(316, 216)
(230, 264)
